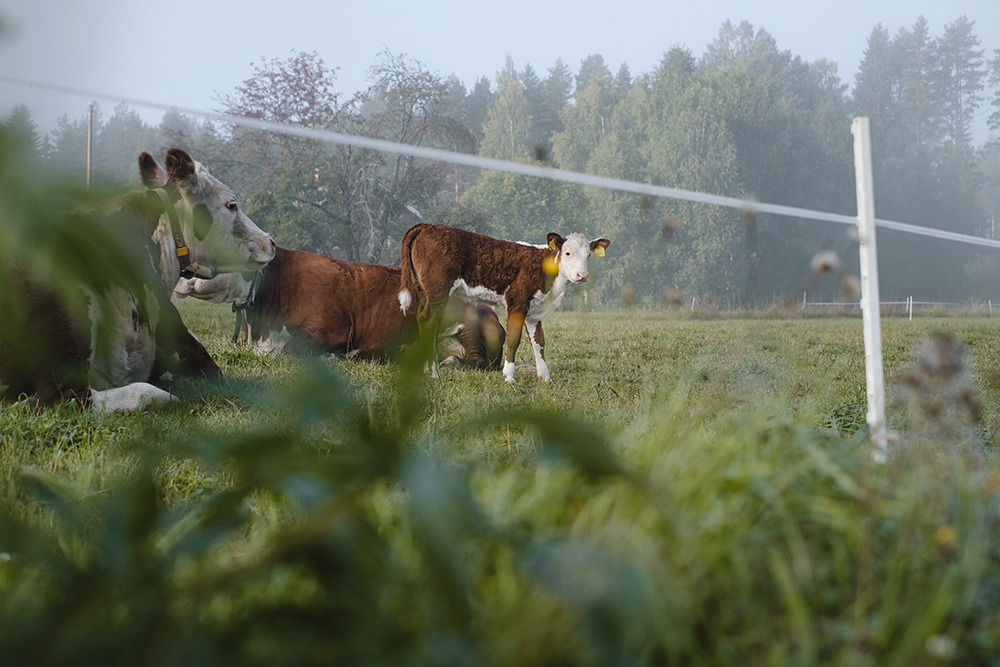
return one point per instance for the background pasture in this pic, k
(690, 488)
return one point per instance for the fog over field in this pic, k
(189, 53)
(753, 102)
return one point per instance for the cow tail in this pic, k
(409, 286)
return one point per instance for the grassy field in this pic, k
(687, 490)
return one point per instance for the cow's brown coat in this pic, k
(351, 309)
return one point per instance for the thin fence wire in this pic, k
(442, 155)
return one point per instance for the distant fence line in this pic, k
(908, 304)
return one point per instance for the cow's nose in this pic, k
(581, 277)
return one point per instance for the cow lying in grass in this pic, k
(304, 301)
(529, 281)
(109, 334)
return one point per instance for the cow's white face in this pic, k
(574, 253)
(216, 231)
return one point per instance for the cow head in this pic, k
(573, 253)
(214, 229)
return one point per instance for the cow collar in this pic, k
(189, 269)
(249, 304)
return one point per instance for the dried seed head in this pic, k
(628, 295)
(671, 296)
(850, 286)
(672, 224)
(824, 262)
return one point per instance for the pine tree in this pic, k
(507, 132)
(22, 129)
(477, 105)
(556, 91)
(993, 122)
(533, 95)
(961, 79)
(176, 130)
(506, 75)
(586, 121)
(590, 67)
(916, 61)
(119, 144)
(623, 81)
(875, 83)
(68, 146)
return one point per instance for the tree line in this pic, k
(745, 119)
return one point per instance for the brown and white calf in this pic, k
(304, 301)
(529, 281)
(108, 338)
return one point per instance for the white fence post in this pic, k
(869, 286)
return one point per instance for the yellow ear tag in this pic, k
(550, 266)
(599, 251)
(552, 244)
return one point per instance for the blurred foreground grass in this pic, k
(684, 492)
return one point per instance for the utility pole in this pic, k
(90, 142)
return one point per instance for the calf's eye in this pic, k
(232, 206)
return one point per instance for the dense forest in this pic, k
(745, 119)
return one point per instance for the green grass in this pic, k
(693, 491)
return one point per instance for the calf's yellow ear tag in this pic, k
(599, 251)
(552, 244)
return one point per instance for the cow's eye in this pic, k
(232, 206)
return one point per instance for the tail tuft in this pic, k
(405, 300)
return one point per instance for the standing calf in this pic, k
(529, 281)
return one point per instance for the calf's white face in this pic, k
(574, 255)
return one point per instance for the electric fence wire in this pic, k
(438, 154)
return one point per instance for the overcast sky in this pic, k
(189, 53)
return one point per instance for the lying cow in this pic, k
(304, 301)
(115, 335)
(529, 281)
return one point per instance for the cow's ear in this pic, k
(554, 240)
(152, 174)
(180, 167)
(598, 246)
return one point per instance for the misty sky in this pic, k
(188, 54)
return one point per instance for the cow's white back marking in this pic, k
(478, 294)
